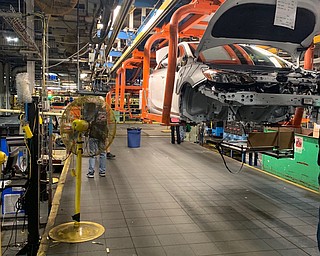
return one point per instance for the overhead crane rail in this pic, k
(158, 16)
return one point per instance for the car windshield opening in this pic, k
(242, 55)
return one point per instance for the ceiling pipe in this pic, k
(64, 61)
(56, 7)
(7, 72)
(17, 70)
(125, 8)
(1, 84)
(118, 24)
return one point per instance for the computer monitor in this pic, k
(14, 142)
(11, 165)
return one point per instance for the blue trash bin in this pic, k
(134, 137)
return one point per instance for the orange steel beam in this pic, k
(233, 55)
(163, 43)
(109, 98)
(192, 32)
(117, 89)
(154, 117)
(203, 23)
(244, 54)
(121, 83)
(195, 19)
(130, 110)
(185, 33)
(308, 64)
(308, 58)
(136, 54)
(146, 72)
(134, 62)
(297, 119)
(133, 87)
(195, 7)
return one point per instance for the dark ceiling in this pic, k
(62, 35)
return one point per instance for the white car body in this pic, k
(222, 78)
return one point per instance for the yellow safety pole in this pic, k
(78, 180)
(0, 241)
(3, 158)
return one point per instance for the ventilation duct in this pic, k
(56, 7)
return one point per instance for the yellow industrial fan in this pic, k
(87, 128)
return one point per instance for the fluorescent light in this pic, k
(69, 84)
(53, 88)
(63, 74)
(83, 75)
(12, 39)
(99, 26)
(115, 13)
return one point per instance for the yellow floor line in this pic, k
(44, 243)
(282, 179)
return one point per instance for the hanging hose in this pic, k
(117, 26)
(104, 15)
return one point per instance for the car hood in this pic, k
(289, 25)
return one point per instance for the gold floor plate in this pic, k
(71, 233)
(54, 180)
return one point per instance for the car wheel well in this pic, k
(193, 104)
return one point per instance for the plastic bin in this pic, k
(134, 137)
(9, 198)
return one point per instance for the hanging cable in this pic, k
(220, 150)
(118, 23)
(68, 58)
(17, 207)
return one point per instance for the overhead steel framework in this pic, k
(188, 21)
(145, 30)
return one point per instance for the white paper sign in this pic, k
(286, 11)
(298, 144)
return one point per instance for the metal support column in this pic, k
(250, 158)
(256, 156)
(33, 195)
(2, 93)
(6, 99)
(30, 30)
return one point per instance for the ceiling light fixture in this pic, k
(115, 13)
(12, 39)
(83, 75)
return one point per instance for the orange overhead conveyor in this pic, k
(201, 9)
(121, 86)
(160, 34)
(194, 25)
(196, 11)
(193, 16)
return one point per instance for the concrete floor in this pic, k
(179, 200)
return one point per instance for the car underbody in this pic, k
(261, 97)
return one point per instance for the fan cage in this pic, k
(102, 125)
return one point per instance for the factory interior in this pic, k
(160, 127)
